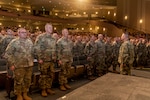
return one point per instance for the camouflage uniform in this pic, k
(45, 48)
(4, 42)
(116, 47)
(90, 51)
(108, 59)
(64, 49)
(141, 54)
(78, 49)
(100, 57)
(126, 57)
(20, 54)
(1, 36)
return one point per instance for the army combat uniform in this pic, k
(45, 48)
(126, 57)
(4, 42)
(19, 53)
(64, 50)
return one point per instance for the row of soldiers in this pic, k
(100, 52)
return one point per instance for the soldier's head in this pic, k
(79, 38)
(22, 33)
(100, 36)
(49, 28)
(92, 38)
(124, 37)
(10, 32)
(65, 32)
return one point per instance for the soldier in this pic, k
(19, 54)
(78, 47)
(126, 55)
(5, 41)
(100, 56)
(90, 51)
(45, 48)
(141, 53)
(109, 54)
(116, 47)
(65, 59)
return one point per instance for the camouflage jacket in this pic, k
(20, 53)
(126, 53)
(45, 47)
(4, 42)
(64, 49)
(100, 48)
(90, 49)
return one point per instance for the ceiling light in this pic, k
(108, 12)
(56, 14)
(90, 28)
(96, 12)
(140, 21)
(29, 11)
(97, 27)
(0, 23)
(82, 28)
(104, 29)
(37, 27)
(84, 13)
(19, 25)
(17, 9)
(114, 14)
(12, 1)
(67, 14)
(125, 17)
(50, 1)
(55, 28)
(75, 14)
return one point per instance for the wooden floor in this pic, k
(75, 84)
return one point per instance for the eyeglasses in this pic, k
(22, 32)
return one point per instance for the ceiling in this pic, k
(57, 8)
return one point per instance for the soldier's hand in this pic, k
(88, 58)
(40, 61)
(60, 62)
(12, 68)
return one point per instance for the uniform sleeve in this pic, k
(59, 50)
(9, 53)
(37, 47)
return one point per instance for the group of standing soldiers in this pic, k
(100, 52)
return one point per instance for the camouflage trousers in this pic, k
(47, 75)
(64, 73)
(100, 66)
(115, 63)
(22, 79)
(90, 67)
(125, 69)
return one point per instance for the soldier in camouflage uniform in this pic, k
(116, 47)
(78, 47)
(45, 48)
(5, 41)
(126, 55)
(109, 54)
(65, 59)
(2, 34)
(100, 56)
(141, 53)
(90, 51)
(19, 54)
